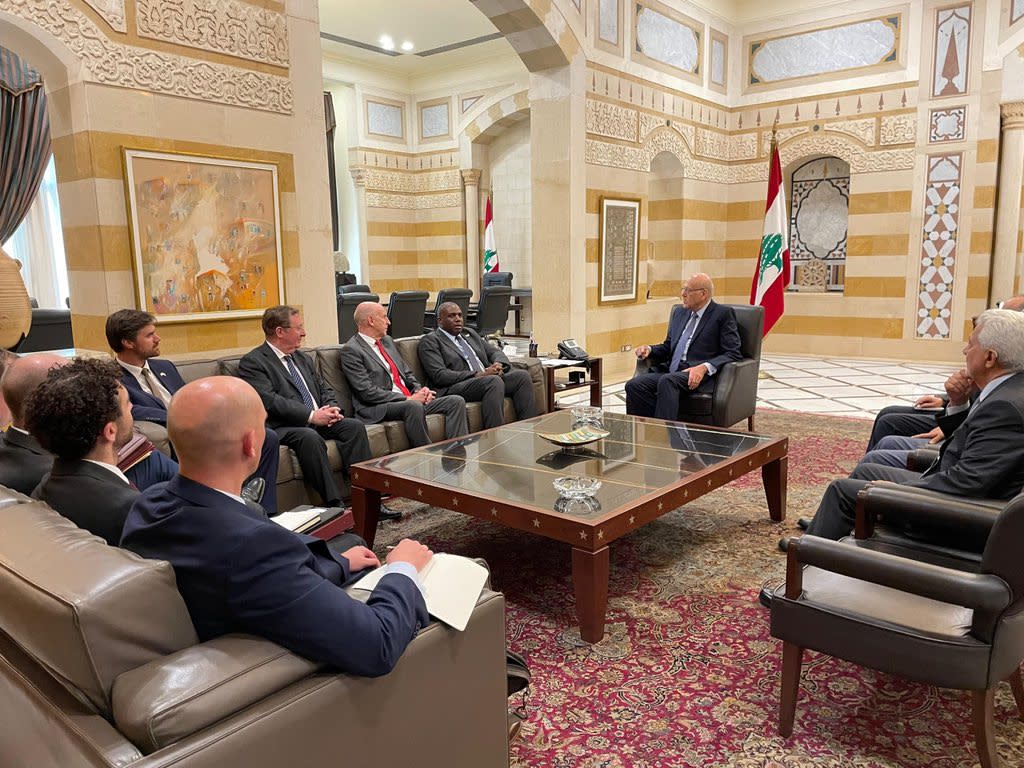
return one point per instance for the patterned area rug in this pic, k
(687, 674)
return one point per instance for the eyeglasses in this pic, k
(692, 290)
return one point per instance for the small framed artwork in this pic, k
(617, 249)
(206, 235)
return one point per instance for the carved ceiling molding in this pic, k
(413, 183)
(125, 66)
(228, 27)
(111, 11)
(898, 129)
(611, 120)
(413, 202)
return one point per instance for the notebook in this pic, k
(299, 520)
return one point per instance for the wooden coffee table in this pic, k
(647, 467)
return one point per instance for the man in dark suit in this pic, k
(81, 413)
(383, 387)
(151, 383)
(23, 461)
(702, 337)
(248, 574)
(458, 362)
(984, 455)
(300, 407)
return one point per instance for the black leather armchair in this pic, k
(496, 278)
(347, 303)
(461, 296)
(405, 311)
(492, 311)
(954, 625)
(354, 288)
(735, 395)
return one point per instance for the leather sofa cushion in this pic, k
(85, 611)
(178, 695)
(328, 363)
(191, 370)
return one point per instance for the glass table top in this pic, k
(515, 465)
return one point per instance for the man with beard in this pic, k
(81, 413)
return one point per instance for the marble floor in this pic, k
(856, 388)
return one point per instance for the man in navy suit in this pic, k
(151, 383)
(702, 337)
(246, 573)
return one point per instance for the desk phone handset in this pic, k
(568, 349)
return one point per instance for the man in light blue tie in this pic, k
(702, 337)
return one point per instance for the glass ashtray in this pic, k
(587, 414)
(587, 505)
(576, 487)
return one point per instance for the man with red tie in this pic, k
(383, 386)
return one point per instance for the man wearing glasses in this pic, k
(702, 337)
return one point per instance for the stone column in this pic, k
(359, 178)
(471, 180)
(1011, 177)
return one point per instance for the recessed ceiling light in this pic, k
(387, 43)
(407, 46)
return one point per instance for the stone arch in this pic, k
(497, 115)
(795, 151)
(666, 139)
(536, 30)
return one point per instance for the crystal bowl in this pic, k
(587, 414)
(576, 487)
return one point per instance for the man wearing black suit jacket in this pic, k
(81, 413)
(151, 383)
(458, 362)
(248, 574)
(301, 407)
(702, 337)
(384, 387)
(984, 454)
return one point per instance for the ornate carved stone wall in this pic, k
(234, 28)
(111, 11)
(113, 63)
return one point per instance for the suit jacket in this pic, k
(370, 379)
(91, 497)
(146, 407)
(23, 461)
(281, 397)
(716, 340)
(245, 573)
(984, 456)
(444, 364)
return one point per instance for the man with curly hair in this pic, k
(81, 414)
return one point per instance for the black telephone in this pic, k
(568, 349)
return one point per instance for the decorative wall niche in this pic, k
(820, 202)
(951, 61)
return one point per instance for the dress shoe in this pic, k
(253, 489)
(784, 543)
(803, 523)
(767, 593)
(386, 513)
(515, 725)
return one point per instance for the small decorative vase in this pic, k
(15, 307)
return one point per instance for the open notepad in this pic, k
(451, 587)
(300, 519)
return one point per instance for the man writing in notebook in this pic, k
(248, 574)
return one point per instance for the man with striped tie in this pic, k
(301, 407)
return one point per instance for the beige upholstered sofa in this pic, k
(385, 438)
(100, 667)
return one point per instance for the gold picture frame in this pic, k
(205, 235)
(618, 250)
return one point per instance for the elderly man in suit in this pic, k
(151, 384)
(301, 408)
(81, 413)
(383, 386)
(702, 337)
(458, 362)
(984, 455)
(248, 574)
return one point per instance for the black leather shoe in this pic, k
(386, 513)
(767, 593)
(253, 489)
(784, 543)
(803, 523)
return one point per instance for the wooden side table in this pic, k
(593, 366)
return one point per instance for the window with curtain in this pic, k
(820, 202)
(38, 243)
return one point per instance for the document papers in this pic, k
(451, 587)
(299, 520)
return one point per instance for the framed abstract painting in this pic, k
(620, 232)
(206, 235)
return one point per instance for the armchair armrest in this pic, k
(735, 392)
(921, 458)
(981, 592)
(156, 434)
(973, 517)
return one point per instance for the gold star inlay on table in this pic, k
(661, 506)
(494, 512)
(709, 483)
(387, 483)
(583, 535)
(536, 523)
(419, 492)
(632, 519)
(600, 535)
(455, 501)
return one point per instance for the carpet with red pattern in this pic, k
(688, 674)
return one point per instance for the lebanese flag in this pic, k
(490, 250)
(771, 276)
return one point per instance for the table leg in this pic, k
(595, 383)
(365, 510)
(774, 475)
(590, 582)
(549, 385)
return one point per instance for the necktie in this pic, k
(469, 354)
(394, 370)
(307, 398)
(679, 354)
(154, 386)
